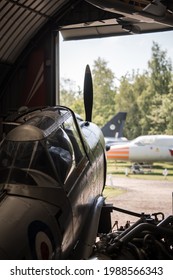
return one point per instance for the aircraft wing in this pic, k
(121, 18)
(111, 27)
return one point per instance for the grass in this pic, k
(112, 192)
(155, 173)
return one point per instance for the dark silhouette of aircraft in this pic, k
(52, 174)
(52, 177)
(113, 129)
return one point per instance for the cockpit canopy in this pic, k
(44, 143)
(160, 140)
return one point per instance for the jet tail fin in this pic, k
(114, 127)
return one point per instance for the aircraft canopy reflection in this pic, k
(46, 158)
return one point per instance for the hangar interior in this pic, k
(29, 44)
(63, 215)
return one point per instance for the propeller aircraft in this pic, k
(52, 177)
(52, 174)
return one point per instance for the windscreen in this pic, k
(17, 158)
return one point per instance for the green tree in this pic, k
(130, 89)
(67, 93)
(160, 71)
(104, 92)
(166, 110)
(147, 98)
(71, 97)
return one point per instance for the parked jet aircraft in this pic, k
(113, 129)
(147, 148)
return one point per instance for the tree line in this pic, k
(147, 98)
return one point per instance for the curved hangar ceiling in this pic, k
(28, 25)
(22, 19)
(23, 24)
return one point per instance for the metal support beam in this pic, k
(57, 70)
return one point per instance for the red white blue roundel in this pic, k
(41, 241)
(43, 246)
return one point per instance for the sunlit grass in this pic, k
(112, 192)
(155, 173)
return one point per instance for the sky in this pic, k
(122, 54)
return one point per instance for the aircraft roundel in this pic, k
(41, 241)
(43, 246)
(112, 127)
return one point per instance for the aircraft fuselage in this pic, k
(144, 149)
(52, 169)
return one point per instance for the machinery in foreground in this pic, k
(149, 238)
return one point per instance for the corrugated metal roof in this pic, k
(20, 20)
(27, 25)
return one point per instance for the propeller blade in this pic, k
(88, 94)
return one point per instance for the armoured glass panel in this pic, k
(24, 156)
(61, 151)
(73, 134)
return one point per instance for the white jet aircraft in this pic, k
(147, 148)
